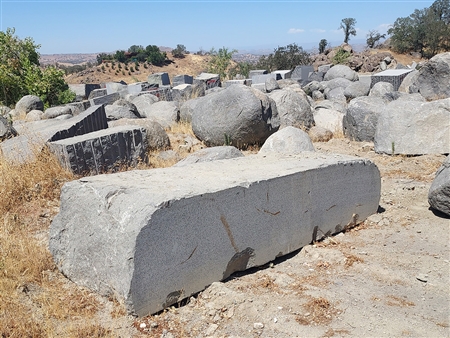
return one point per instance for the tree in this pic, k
(120, 56)
(154, 55)
(220, 61)
(135, 49)
(287, 57)
(21, 75)
(373, 37)
(348, 26)
(322, 45)
(179, 51)
(426, 31)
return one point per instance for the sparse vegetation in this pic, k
(179, 51)
(373, 38)
(341, 56)
(220, 61)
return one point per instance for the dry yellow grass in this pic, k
(32, 294)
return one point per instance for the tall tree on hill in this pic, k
(348, 26)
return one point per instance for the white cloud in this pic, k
(295, 31)
(317, 30)
(383, 28)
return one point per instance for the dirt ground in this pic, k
(387, 277)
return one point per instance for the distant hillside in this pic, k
(68, 59)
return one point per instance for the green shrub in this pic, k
(341, 57)
(21, 75)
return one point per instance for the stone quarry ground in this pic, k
(387, 277)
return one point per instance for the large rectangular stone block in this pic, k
(393, 76)
(102, 151)
(161, 79)
(33, 135)
(157, 236)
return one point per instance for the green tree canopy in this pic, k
(21, 75)
(426, 31)
(348, 26)
(220, 61)
(287, 57)
(179, 51)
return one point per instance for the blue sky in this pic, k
(105, 26)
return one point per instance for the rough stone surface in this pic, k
(330, 119)
(439, 193)
(294, 108)
(28, 103)
(357, 89)
(166, 234)
(6, 129)
(408, 84)
(35, 115)
(289, 140)
(330, 104)
(143, 101)
(103, 150)
(341, 71)
(165, 113)
(414, 128)
(117, 112)
(210, 154)
(33, 135)
(433, 81)
(186, 110)
(157, 138)
(51, 113)
(360, 121)
(161, 79)
(271, 85)
(381, 88)
(105, 99)
(336, 94)
(235, 116)
(320, 134)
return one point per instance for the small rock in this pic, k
(422, 277)
(258, 326)
(142, 325)
(275, 320)
(211, 329)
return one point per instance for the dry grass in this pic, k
(398, 301)
(318, 311)
(34, 297)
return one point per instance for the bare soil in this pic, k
(387, 277)
(191, 64)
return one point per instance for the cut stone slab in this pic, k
(393, 76)
(102, 151)
(154, 237)
(33, 135)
